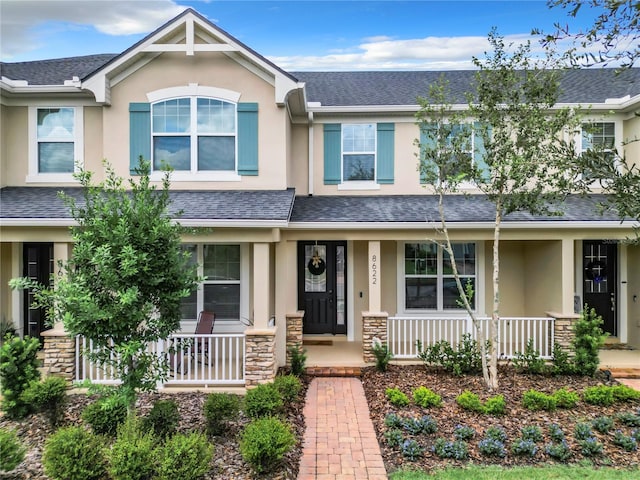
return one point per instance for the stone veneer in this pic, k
(59, 353)
(563, 329)
(294, 332)
(260, 356)
(374, 324)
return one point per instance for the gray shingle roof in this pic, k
(421, 208)
(403, 88)
(56, 71)
(40, 203)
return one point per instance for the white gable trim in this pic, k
(193, 90)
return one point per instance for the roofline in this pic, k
(564, 224)
(69, 222)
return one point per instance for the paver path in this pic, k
(339, 440)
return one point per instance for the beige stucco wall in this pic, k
(5, 276)
(631, 135)
(360, 284)
(15, 142)
(543, 277)
(298, 167)
(206, 69)
(389, 277)
(633, 295)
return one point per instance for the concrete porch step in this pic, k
(333, 371)
(619, 373)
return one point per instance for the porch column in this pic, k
(59, 353)
(568, 275)
(261, 285)
(374, 326)
(564, 329)
(17, 312)
(294, 332)
(374, 277)
(60, 254)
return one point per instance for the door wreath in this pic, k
(596, 270)
(316, 265)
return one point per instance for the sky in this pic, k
(296, 35)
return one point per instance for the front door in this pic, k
(38, 266)
(600, 260)
(322, 285)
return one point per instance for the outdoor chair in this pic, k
(204, 326)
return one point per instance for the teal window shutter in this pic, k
(139, 134)
(332, 153)
(479, 151)
(248, 139)
(385, 152)
(427, 140)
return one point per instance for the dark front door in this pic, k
(600, 260)
(38, 266)
(322, 286)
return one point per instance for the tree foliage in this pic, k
(615, 33)
(124, 284)
(521, 132)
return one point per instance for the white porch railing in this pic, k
(209, 360)
(403, 333)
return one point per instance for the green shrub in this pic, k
(463, 432)
(11, 450)
(163, 419)
(590, 447)
(426, 398)
(457, 450)
(492, 447)
(559, 451)
(602, 424)
(264, 442)
(535, 400)
(627, 443)
(496, 433)
(623, 393)
(530, 361)
(411, 450)
(392, 420)
(106, 414)
(582, 431)
(218, 409)
(131, 457)
(495, 405)
(263, 401)
(565, 398)
(393, 437)
(522, 447)
(470, 401)
(396, 397)
(48, 396)
(73, 453)
(184, 457)
(7, 329)
(556, 433)
(599, 395)
(289, 387)
(18, 368)
(465, 358)
(561, 363)
(531, 432)
(588, 339)
(298, 357)
(426, 424)
(628, 418)
(382, 354)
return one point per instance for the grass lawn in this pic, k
(519, 473)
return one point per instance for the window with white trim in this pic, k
(223, 290)
(194, 134)
(429, 283)
(359, 152)
(598, 138)
(56, 143)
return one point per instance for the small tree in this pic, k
(123, 287)
(588, 338)
(523, 154)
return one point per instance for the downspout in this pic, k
(310, 189)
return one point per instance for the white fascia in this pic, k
(316, 107)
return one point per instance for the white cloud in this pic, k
(20, 19)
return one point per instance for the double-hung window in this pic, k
(359, 152)
(223, 290)
(194, 134)
(56, 142)
(429, 282)
(598, 138)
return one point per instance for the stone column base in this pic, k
(374, 326)
(260, 356)
(59, 353)
(294, 332)
(563, 329)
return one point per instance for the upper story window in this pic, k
(598, 138)
(55, 147)
(358, 152)
(194, 134)
(358, 155)
(429, 282)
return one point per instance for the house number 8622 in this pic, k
(374, 269)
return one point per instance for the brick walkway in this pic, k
(339, 441)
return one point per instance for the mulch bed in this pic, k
(512, 386)
(227, 463)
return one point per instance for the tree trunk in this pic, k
(495, 312)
